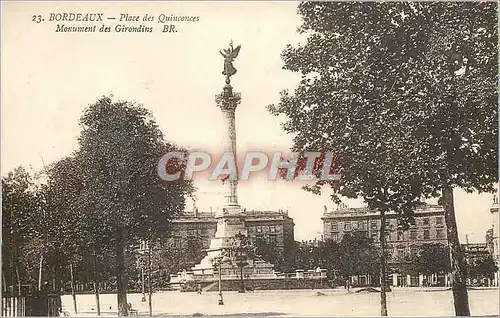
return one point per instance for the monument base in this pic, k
(230, 223)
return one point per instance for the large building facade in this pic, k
(429, 228)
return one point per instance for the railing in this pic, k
(31, 305)
(13, 306)
(299, 274)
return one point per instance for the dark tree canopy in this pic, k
(433, 258)
(94, 206)
(405, 95)
(120, 147)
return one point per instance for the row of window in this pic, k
(374, 224)
(400, 236)
(412, 234)
(263, 229)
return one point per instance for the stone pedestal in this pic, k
(228, 226)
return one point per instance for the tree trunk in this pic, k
(242, 284)
(4, 285)
(458, 270)
(40, 271)
(96, 284)
(73, 288)
(121, 280)
(383, 266)
(97, 300)
(18, 281)
(150, 291)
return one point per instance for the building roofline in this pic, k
(366, 212)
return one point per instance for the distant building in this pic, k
(276, 227)
(474, 252)
(429, 228)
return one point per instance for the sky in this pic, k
(49, 78)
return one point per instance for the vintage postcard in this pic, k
(249, 158)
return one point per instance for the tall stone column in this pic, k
(227, 101)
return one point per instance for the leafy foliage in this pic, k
(483, 268)
(405, 95)
(433, 258)
(96, 204)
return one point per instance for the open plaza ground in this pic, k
(336, 302)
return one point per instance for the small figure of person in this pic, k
(348, 284)
(199, 289)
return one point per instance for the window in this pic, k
(426, 234)
(259, 229)
(361, 225)
(400, 236)
(440, 233)
(374, 236)
(426, 221)
(335, 237)
(347, 226)
(439, 221)
(401, 251)
(272, 229)
(373, 225)
(335, 226)
(413, 234)
(355, 225)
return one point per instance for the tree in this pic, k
(404, 95)
(122, 194)
(305, 255)
(75, 231)
(269, 252)
(240, 252)
(331, 258)
(483, 268)
(19, 209)
(358, 255)
(332, 111)
(433, 258)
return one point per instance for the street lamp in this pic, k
(146, 250)
(217, 263)
(143, 299)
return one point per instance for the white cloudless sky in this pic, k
(49, 78)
